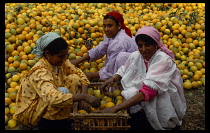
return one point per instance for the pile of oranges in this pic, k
(181, 26)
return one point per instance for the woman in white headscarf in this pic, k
(48, 91)
(153, 87)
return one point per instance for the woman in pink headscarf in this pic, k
(117, 45)
(152, 85)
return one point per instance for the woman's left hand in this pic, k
(84, 106)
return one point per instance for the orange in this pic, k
(199, 73)
(6, 119)
(187, 85)
(199, 65)
(12, 109)
(79, 53)
(195, 84)
(108, 99)
(84, 49)
(193, 69)
(23, 66)
(15, 78)
(20, 48)
(15, 52)
(87, 65)
(90, 91)
(116, 93)
(10, 59)
(13, 84)
(8, 101)
(82, 111)
(103, 104)
(13, 95)
(72, 56)
(9, 48)
(6, 110)
(184, 77)
(196, 77)
(202, 70)
(12, 104)
(31, 56)
(24, 57)
(12, 123)
(190, 64)
(109, 104)
(27, 49)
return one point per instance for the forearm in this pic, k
(84, 89)
(79, 97)
(139, 97)
(84, 58)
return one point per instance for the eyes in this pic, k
(146, 45)
(63, 56)
(108, 26)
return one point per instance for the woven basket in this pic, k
(100, 121)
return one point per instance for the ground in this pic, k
(195, 115)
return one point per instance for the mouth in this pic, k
(145, 55)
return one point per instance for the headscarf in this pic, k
(153, 33)
(119, 17)
(43, 42)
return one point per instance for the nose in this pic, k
(105, 28)
(143, 48)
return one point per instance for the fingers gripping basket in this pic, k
(100, 121)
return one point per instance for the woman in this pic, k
(117, 45)
(153, 87)
(44, 97)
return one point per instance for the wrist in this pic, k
(115, 78)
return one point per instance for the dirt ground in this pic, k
(195, 115)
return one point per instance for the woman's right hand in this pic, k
(105, 86)
(93, 101)
(75, 62)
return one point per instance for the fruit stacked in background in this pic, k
(181, 26)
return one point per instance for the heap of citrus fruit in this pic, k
(181, 26)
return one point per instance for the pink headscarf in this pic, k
(153, 33)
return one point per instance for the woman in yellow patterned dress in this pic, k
(48, 91)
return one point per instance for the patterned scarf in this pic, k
(43, 42)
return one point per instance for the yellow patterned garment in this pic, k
(38, 95)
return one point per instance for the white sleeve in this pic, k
(121, 71)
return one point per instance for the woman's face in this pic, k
(110, 27)
(147, 50)
(57, 59)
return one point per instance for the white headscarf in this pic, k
(43, 42)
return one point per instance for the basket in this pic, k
(100, 121)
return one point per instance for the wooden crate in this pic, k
(100, 121)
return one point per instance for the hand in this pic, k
(75, 62)
(105, 86)
(84, 106)
(108, 110)
(93, 101)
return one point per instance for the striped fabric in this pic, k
(42, 43)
